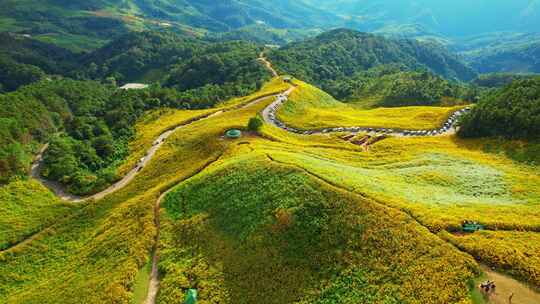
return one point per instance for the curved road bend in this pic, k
(270, 116)
(60, 191)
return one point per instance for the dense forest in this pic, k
(333, 59)
(72, 101)
(87, 125)
(512, 112)
(201, 69)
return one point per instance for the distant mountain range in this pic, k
(477, 29)
(450, 18)
(455, 18)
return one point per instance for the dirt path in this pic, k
(268, 64)
(153, 285)
(506, 286)
(53, 186)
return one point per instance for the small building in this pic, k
(134, 86)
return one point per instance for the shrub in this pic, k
(255, 124)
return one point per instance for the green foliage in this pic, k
(26, 50)
(299, 240)
(496, 80)
(98, 120)
(391, 86)
(200, 72)
(255, 124)
(27, 207)
(14, 75)
(517, 59)
(332, 58)
(513, 112)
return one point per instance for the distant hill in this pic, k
(88, 24)
(513, 112)
(523, 59)
(339, 55)
(452, 18)
(496, 80)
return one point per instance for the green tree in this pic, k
(255, 124)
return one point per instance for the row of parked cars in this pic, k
(447, 126)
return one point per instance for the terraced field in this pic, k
(281, 217)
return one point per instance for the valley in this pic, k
(447, 172)
(238, 152)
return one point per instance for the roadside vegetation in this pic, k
(513, 252)
(311, 108)
(415, 185)
(270, 217)
(26, 208)
(88, 124)
(512, 112)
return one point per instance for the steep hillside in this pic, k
(340, 53)
(269, 232)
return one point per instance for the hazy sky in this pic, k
(451, 17)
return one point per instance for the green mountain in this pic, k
(331, 60)
(87, 24)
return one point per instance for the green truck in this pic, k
(471, 226)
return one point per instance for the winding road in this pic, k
(269, 115)
(60, 191)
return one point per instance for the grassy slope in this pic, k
(66, 263)
(27, 207)
(250, 230)
(157, 122)
(309, 108)
(439, 181)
